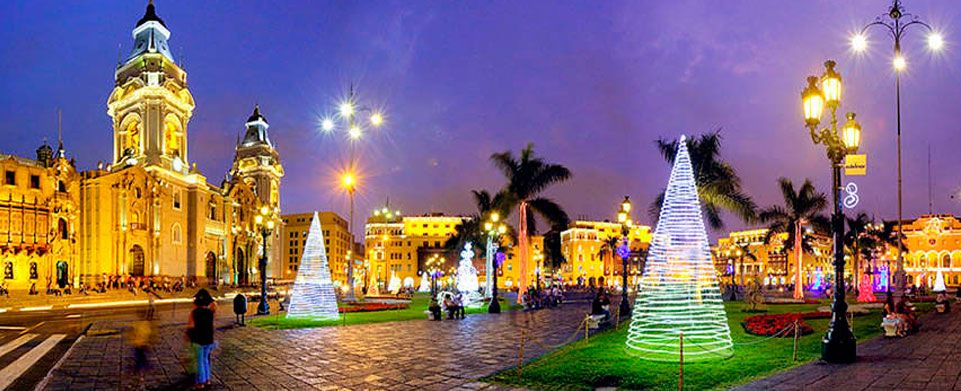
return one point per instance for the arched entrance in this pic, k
(137, 261)
(242, 272)
(62, 275)
(210, 270)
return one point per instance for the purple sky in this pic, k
(591, 83)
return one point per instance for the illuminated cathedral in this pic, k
(149, 212)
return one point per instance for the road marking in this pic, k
(39, 308)
(19, 367)
(46, 379)
(72, 316)
(32, 327)
(12, 328)
(13, 345)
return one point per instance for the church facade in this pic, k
(149, 212)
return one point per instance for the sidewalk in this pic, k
(20, 301)
(928, 360)
(409, 355)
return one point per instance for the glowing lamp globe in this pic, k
(899, 63)
(851, 134)
(859, 43)
(831, 84)
(935, 42)
(813, 102)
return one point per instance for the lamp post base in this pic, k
(839, 350)
(263, 308)
(624, 309)
(494, 307)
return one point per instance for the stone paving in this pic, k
(450, 354)
(928, 360)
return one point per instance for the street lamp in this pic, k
(624, 251)
(349, 182)
(432, 267)
(265, 221)
(494, 230)
(839, 344)
(896, 21)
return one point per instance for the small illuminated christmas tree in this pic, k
(866, 291)
(313, 293)
(424, 283)
(467, 283)
(394, 285)
(939, 283)
(679, 293)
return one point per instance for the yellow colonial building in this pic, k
(744, 256)
(590, 262)
(932, 243)
(337, 243)
(149, 212)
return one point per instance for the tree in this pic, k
(472, 227)
(718, 185)
(609, 249)
(801, 207)
(527, 177)
(741, 251)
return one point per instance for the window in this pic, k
(34, 181)
(11, 178)
(8, 270)
(175, 234)
(61, 187)
(177, 199)
(62, 228)
(33, 271)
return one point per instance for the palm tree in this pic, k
(855, 240)
(608, 250)
(743, 250)
(801, 207)
(527, 177)
(472, 227)
(718, 185)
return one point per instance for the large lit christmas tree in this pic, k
(467, 283)
(679, 292)
(313, 294)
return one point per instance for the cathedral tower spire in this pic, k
(150, 104)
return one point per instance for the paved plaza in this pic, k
(928, 360)
(398, 355)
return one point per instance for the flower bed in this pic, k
(769, 325)
(371, 307)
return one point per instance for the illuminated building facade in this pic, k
(745, 253)
(401, 244)
(337, 243)
(590, 261)
(932, 243)
(149, 212)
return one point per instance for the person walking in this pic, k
(200, 331)
(142, 337)
(240, 308)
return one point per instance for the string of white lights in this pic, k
(313, 295)
(679, 291)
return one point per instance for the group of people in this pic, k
(901, 315)
(451, 303)
(601, 305)
(536, 298)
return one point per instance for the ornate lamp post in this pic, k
(624, 251)
(494, 231)
(264, 221)
(896, 21)
(432, 267)
(839, 344)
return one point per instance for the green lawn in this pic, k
(415, 311)
(604, 360)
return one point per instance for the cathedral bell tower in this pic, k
(150, 103)
(257, 162)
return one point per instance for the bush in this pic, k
(371, 307)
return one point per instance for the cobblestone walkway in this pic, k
(396, 356)
(928, 360)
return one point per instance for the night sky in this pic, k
(590, 83)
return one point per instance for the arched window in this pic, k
(62, 229)
(946, 261)
(175, 233)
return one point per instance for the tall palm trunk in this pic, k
(522, 250)
(798, 283)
